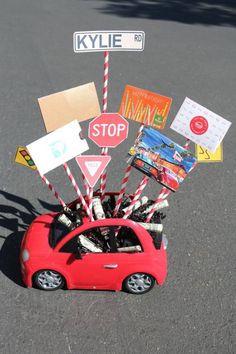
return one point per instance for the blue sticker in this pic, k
(58, 148)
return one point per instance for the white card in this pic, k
(200, 125)
(58, 147)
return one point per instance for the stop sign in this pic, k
(108, 130)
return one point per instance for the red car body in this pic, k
(93, 270)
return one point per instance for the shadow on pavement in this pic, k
(206, 12)
(16, 221)
(9, 257)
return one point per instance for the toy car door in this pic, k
(101, 263)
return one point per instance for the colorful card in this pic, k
(63, 107)
(200, 125)
(161, 159)
(203, 155)
(58, 147)
(92, 166)
(145, 107)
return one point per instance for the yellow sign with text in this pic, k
(204, 155)
(23, 157)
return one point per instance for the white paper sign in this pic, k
(58, 147)
(94, 41)
(200, 125)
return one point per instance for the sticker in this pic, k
(204, 155)
(58, 147)
(145, 107)
(108, 130)
(92, 167)
(23, 157)
(200, 125)
(63, 107)
(161, 159)
(100, 41)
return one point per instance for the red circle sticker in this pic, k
(199, 125)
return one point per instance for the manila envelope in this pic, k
(63, 107)
(145, 107)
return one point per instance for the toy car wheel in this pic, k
(138, 283)
(48, 280)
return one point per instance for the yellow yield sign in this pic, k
(23, 157)
(204, 155)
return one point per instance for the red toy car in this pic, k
(111, 254)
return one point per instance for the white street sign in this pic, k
(100, 41)
(58, 147)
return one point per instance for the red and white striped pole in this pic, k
(162, 196)
(105, 94)
(137, 194)
(122, 190)
(186, 145)
(125, 180)
(105, 80)
(77, 190)
(86, 186)
(164, 193)
(52, 189)
(89, 193)
(90, 197)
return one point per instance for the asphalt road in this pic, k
(190, 51)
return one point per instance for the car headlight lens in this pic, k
(25, 255)
(165, 241)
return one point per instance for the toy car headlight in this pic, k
(165, 241)
(25, 255)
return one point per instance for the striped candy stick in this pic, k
(125, 180)
(105, 93)
(164, 193)
(52, 189)
(137, 194)
(77, 190)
